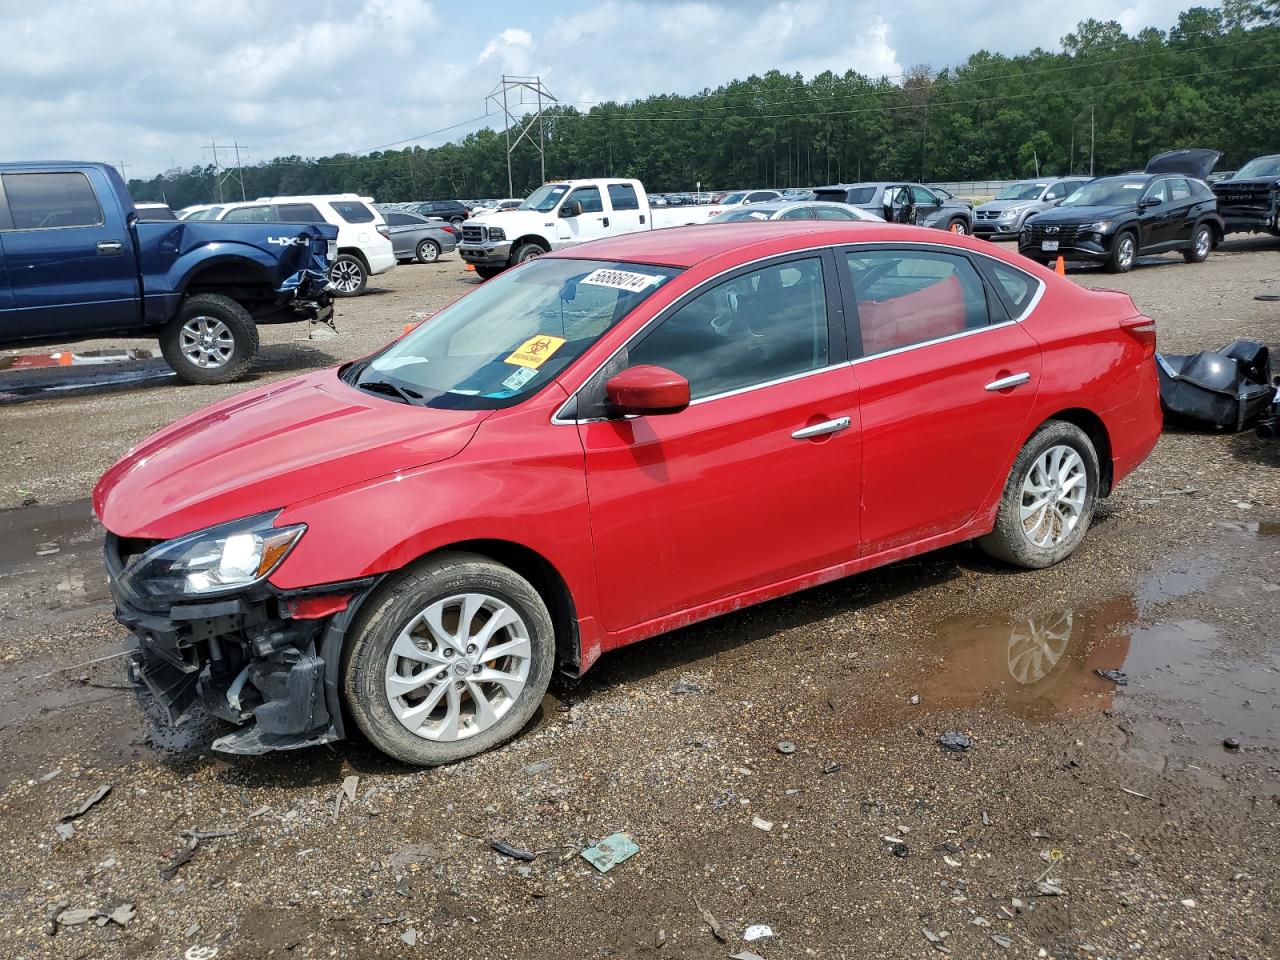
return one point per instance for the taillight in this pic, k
(450, 229)
(1142, 329)
(384, 230)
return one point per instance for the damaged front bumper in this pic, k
(264, 659)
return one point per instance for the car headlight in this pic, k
(1010, 212)
(230, 556)
(1098, 226)
(497, 233)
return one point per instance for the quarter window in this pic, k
(352, 211)
(623, 197)
(1018, 286)
(46, 200)
(1179, 189)
(906, 297)
(760, 326)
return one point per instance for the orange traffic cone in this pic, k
(408, 328)
(470, 268)
(66, 359)
(1060, 268)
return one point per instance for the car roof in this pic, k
(688, 246)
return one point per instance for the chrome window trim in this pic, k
(558, 420)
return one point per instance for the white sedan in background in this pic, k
(796, 210)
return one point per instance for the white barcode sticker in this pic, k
(621, 279)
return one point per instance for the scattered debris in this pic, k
(1227, 388)
(1001, 941)
(47, 549)
(955, 742)
(761, 824)
(936, 939)
(507, 850)
(915, 700)
(122, 914)
(1231, 743)
(1048, 888)
(980, 922)
(986, 820)
(347, 790)
(45, 778)
(610, 852)
(1188, 902)
(1184, 491)
(786, 747)
(410, 937)
(73, 918)
(757, 931)
(65, 831)
(745, 955)
(952, 862)
(684, 686)
(896, 846)
(1134, 793)
(260, 812)
(829, 768)
(1115, 676)
(180, 858)
(716, 930)
(88, 805)
(533, 769)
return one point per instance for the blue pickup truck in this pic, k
(76, 263)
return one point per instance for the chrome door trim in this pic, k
(1004, 383)
(822, 429)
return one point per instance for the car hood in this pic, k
(1226, 186)
(1193, 162)
(270, 448)
(996, 206)
(1081, 214)
(509, 217)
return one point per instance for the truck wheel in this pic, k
(1201, 244)
(450, 658)
(213, 339)
(488, 273)
(1124, 250)
(526, 251)
(428, 251)
(348, 276)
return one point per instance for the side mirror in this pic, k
(571, 209)
(1148, 202)
(647, 391)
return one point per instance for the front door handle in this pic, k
(1004, 383)
(605, 221)
(820, 429)
(110, 248)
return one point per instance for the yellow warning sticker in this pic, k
(535, 351)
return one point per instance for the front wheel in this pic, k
(526, 251)
(1049, 499)
(488, 273)
(958, 226)
(1201, 245)
(213, 339)
(450, 659)
(428, 251)
(1124, 250)
(348, 275)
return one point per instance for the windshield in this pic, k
(544, 199)
(734, 198)
(1120, 191)
(510, 337)
(1022, 191)
(1260, 167)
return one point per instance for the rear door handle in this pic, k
(819, 429)
(110, 248)
(1004, 383)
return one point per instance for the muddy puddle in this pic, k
(50, 561)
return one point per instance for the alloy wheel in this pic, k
(1202, 242)
(346, 276)
(428, 252)
(959, 228)
(458, 667)
(1054, 493)
(1125, 256)
(207, 342)
(1036, 646)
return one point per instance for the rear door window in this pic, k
(249, 215)
(623, 196)
(352, 211)
(44, 201)
(298, 213)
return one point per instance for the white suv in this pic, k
(364, 240)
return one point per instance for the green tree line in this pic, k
(1107, 100)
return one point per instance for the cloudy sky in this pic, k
(150, 85)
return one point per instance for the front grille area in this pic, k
(473, 233)
(1062, 232)
(987, 214)
(1243, 196)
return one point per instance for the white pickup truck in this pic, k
(559, 214)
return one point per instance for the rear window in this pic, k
(47, 200)
(352, 211)
(298, 213)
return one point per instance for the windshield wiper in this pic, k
(390, 389)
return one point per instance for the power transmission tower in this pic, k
(501, 96)
(220, 177)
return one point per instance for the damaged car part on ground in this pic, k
(1228, 388)
(559, 464)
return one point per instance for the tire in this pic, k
(526, 251)
(381, 685)
(456, 221)
(1039, 545)
(428, 251)
(213, 339)
(958, 226)
(348, 275)
(1201, 244)
(1124, 250)
(488, 273)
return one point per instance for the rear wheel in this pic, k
(428, 251)
(450, 659)
(348, 275)
(1049, 499)
(1201, 244)
(213, 339)
(1124, 250)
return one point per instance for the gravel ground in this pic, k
(1086, 819)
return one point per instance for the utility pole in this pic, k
(239, 170)
(535, 86)
(1091, 139)
(219, 176)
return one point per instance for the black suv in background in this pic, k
(1114, 220)
(1250, 200)
(450, 210)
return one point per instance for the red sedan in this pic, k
(607, 443)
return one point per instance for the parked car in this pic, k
(417, 238)
(201, 211)
(154, 212)
(77, 263)
(558, 215)
(450, 210)
(1004, 216)
(1115, 220)
(743, 197)
(426, 555)
(364, 240)
(795, 210)
(1250, 199)
(903, 203)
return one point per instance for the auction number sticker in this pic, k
(535, 351)
(518, 379)
(621, 279)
